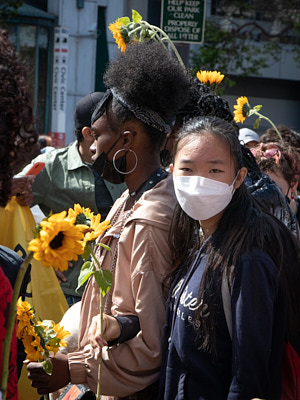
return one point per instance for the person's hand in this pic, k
(21, 188)
(60, 275)
(111, 331)
(49, 383)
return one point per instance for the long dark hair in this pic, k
(243, 227)
(18, 135)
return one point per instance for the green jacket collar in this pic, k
(74, 159)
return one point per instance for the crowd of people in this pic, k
(204, 237)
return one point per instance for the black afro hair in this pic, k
(148, 75)
(203, 103)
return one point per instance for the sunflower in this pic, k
(79, 215)
(210, 76)
(24, 316)
(33, 347)
(242, 109)
(59, 241)
(61, 334)
(96, 228)
(119, 34)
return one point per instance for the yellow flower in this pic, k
(242, 109)
(201, 75)
(210, 76)
(40, 338)
(24, 316)
(24, 310)
(79, 214)
(59, 241)
(87, 222)
(32, 347)
(116, 30)
(96, 229)
(61, 334)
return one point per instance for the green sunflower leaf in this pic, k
(257, 108)
(104, 246)
(136, 17)
(256, 123)
(83, 277)
(124, 20)
(104, 280)
(87, 265)
(54, 342)
(39, 329)
(87, 253)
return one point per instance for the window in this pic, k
(31, 31)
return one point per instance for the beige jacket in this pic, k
(143, 261)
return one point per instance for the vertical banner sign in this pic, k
(183, 20)
(59, 87)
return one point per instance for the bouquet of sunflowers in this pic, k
(40, 338)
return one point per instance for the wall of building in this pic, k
(82, 25)
(277, 87)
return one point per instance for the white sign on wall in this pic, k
(183, 20)
(59, 86)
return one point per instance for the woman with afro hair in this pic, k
(146, 87)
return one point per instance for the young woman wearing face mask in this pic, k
(146, 88)
(203, 103)
(223, 242)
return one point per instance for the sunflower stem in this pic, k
(138, 28)
(101, 331)
(270, 122)
(100, 358)
(95, 260)
(11, 323)
(165, 36)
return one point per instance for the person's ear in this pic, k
(241, 176)
(87, 134)
(127, 139)
(171, 168)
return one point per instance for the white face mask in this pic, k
(202, 198)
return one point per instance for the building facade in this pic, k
(68, 45)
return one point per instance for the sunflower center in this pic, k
(246, 108)
(57, 241)
(81, 219)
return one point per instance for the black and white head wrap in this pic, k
(143, 114)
